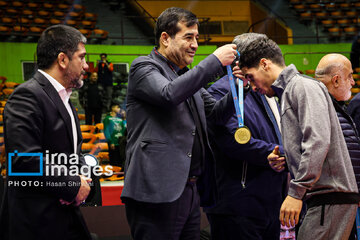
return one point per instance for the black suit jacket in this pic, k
(36, 121)
(161, 128)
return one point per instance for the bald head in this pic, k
(335, 71)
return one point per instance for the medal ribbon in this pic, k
(238, 101)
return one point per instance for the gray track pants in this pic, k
(338, 222)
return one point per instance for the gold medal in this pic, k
(242, 135)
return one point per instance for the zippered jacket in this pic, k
(351, 137)
(246, 183)
(315, 148)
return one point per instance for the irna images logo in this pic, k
(16, 154)
(54, 164)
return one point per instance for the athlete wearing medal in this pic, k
(251, 189)
(315, 149)
(242, 134)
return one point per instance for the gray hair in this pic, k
(328, 70)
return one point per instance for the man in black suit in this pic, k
(169, 164)
(39, 118)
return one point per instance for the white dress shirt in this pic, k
(274, 108)
(65, 96)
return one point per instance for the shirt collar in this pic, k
(64, 93)
(283, 79)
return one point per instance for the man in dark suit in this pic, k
(168, 158)
(39, 118)
(92, 99)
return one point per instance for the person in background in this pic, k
(105, 73)
(314, 145)
(169, 163)
(123, 115)
(40, 118)
(355, 52)
(114, 129)
(251, 189)
(123, 139)
(335, 72)
(91, 97)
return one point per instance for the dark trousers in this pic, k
(166, 221)
(234, 227)
(90, 113)
(108, 96)
(115, 157)
(76, 230)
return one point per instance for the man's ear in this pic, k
(62, 60)
(164, 39)
(264, 64)
(335, 80)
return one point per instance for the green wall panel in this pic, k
(307, 56)
(304, 56)
(13, 54)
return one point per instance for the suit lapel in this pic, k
(171, 74)
(77, 123)
(199, 103)
(55, 98)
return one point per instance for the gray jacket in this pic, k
(314, 144)
(161, 129)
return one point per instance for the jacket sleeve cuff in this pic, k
(68, 192)
(222, 69)
(296, 191)
(73, 189)
(281, 149)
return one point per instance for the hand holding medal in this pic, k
(242, 134)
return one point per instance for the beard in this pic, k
(78, 83)
(75, 81)
(348, 95)
(344, 93)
